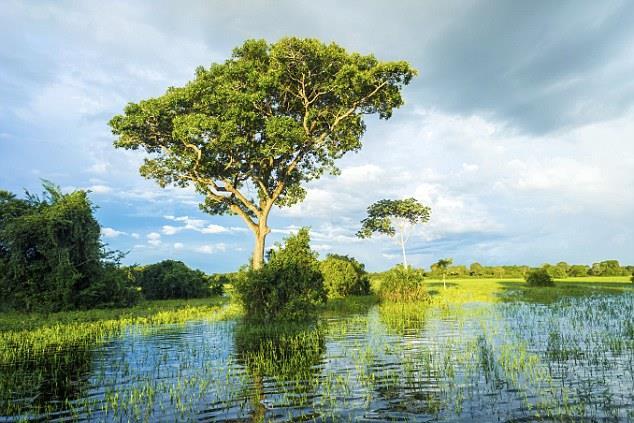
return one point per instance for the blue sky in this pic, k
(518, 131)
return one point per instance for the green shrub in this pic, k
(539, 277)
(170, 279)
(51, 257)
(344, 276)
(217, 283)
(402, 284)
(287, 287)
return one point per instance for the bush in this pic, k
(217, 283)
(51, 257)
(539, 277)
(402, 284)
(171, 279)
(288, 287)
(344, 276)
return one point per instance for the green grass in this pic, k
(25, 336)
(461, 291)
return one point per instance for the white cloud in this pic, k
(154, 239)
(178, 245)
(111, 233)
(99, 167)
(210, 248)
(171, 230)
(197, 225)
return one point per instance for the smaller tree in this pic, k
(539, 277)
(344, 276)
(171, 279)
(443, 264)
(392, 217)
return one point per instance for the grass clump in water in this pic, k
(402, 284)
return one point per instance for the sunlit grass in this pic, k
(25, 336)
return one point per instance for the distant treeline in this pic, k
(559, 270)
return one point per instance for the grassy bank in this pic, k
(461, 291)
(24, 336)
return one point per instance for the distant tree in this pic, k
(394, 217)
(558, 271)
(607, 268)
(498, 271)
(539, 277)
(476, 269)
(577, 270)
(248, 133)
(443, 264)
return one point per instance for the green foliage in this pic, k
(402, 283)
(578, 270)
(344, 276)
(171, 279)
(441, 267)
(539, 277)
(272, 116)
(288, 287)
(217, 283)
(51, 257)
(608, 268)
(383, 214)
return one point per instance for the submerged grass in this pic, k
(28, 336)
(480, 350)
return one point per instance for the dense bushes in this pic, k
(344, 276)
(539, 277)
(51, 257)
(402, 284)
(170, 279)
(288, 286)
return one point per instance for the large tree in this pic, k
(394, 217)
(246, 134)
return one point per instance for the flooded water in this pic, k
(511, 362)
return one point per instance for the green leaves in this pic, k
(271, 116)
(383, 213)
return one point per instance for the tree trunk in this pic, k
(260, 241)
(403, 249)
(258, 251)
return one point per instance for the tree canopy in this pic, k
(247, 133)
(389, 217)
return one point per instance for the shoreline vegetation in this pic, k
(24, 335)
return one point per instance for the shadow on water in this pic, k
(280, 358)
(44, 384)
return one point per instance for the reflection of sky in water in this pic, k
(475, 363)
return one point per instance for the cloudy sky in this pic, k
(518, 132)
